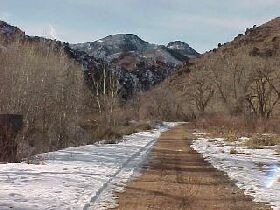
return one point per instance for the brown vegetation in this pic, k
(260, 141)
(41, 83)
(47, 89)
(236, 87)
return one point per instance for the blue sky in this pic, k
(201, 23)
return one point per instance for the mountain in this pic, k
(139, 65)
(115, 46)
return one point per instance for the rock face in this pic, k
(137, 64)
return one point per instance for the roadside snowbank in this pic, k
(76, 178)
(257, 171)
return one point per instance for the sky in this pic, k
(201, 23)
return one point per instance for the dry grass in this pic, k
(101, 129)
(115, 133)
(261, 141)
(229, 127)
(232, 128)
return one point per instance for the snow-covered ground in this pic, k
(257, 171)
(76, 178)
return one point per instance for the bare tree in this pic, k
(200, 89)
(263, 93)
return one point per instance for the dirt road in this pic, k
(176, 177)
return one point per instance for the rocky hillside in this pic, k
(121, 45)
(137, 65)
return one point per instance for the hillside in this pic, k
(241, 77)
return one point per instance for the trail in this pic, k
(176, 177)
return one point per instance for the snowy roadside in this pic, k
(76, 178)
(257, 171)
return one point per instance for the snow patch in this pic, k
(256, 171)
